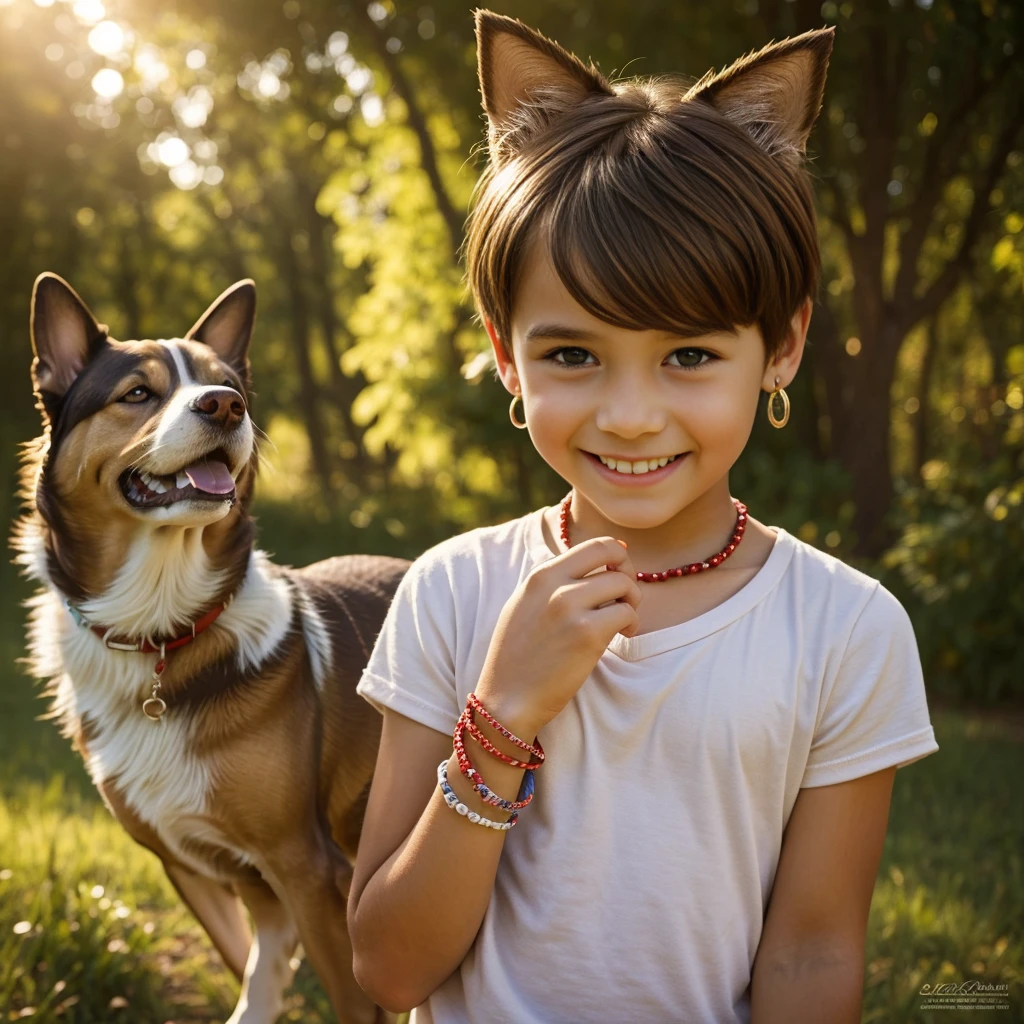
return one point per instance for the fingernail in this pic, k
(622, 542)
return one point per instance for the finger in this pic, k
(596, 590)
(620, 617)
(634, 595)
(593, 554)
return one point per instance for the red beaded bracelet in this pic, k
(467, 724)
(488, 796)
(473, 703)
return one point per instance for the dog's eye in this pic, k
(136, 395)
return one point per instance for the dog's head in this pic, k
(139, 435)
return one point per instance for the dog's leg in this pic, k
(314, 879)
(219, 910)
(268, 971)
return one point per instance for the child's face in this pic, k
(590, 389)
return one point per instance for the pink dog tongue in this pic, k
(212, 477)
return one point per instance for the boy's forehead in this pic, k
(541, 295)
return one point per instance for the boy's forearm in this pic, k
(818, 983)
(418, 915)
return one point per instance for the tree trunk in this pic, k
(867, 442)
(128, 289)
(922, 422)
(344, 388)
(310, 401)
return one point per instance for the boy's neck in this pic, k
(696, 532)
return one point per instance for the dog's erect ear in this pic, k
(517, 65)
(65, 336)
(774, 93)
(227, 325)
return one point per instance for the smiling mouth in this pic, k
(207, 479)
(636, 467)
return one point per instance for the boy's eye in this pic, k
(687, 354)
(574, 356)
(137, 394)
(689, 358)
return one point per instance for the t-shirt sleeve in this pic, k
(412, 665)
(875, 714)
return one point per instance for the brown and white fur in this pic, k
(251, 788)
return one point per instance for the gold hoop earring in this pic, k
(779, 423)
(512, 413)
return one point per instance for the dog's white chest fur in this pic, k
(152, 763)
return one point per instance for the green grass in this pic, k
(91, 931)
(949, 897)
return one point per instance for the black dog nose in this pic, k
(224, 406)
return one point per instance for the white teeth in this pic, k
(182, 480)
(159, 486)
(643, 466)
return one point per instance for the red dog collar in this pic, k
(147, 645)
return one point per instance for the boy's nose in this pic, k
(630, 416)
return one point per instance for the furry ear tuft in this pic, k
(517, 65)
(774, 93)
(65, 336)
(227, 325)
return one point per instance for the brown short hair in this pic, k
(658, 214)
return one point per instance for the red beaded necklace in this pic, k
(681, 570)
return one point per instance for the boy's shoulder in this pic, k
(829, 580)
(492, 545)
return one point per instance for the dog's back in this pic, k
(349, 596)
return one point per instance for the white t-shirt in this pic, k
(633, 889)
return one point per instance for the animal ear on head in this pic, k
(774, 93)
(519, 67)
(227, 325)
(65, 336)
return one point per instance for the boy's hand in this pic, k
(554, 629)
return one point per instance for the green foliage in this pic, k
(959, 558)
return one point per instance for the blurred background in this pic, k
(152, 154)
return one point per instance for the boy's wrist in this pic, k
(509, 712)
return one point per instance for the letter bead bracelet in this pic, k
(452, 800)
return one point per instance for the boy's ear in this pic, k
(774, 93)
(227, 325)
(65, 336)
(518, 66)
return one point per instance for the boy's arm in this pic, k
(810, 960)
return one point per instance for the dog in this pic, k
(210, 692)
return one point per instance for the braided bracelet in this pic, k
(479, 786)
(466, 723)
(452, 800)
(473, 702)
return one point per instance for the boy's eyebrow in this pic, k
(559, 331)
(562, 332)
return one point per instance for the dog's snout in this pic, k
(224, 406)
